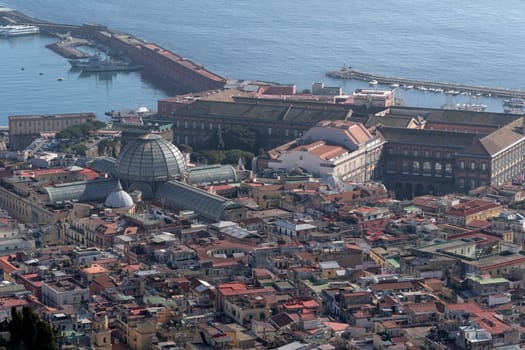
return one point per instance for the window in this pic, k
(472, 183)
(448, 169)
(472, 165)
(484, 166)
(427, 153)
(427, 168)
(438, 169)
(462, 164)
(405, 151)
(461, 182)
(416, 153)
(405, 167)
(415, 167)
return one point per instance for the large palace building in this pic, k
(452, 156)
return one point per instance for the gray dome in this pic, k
(118, 198)
(150, 158)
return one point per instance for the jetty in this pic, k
(350, 73)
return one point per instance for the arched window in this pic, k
(448, 169)
(415, 167)
(427, 168)
(405, 167)
(438, 168)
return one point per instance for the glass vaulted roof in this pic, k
(150, 158)
(188, 197)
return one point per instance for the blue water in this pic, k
(291, 41)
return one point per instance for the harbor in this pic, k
(154, 60)
(435, 86)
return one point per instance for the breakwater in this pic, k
(350, 73)
(158, 62)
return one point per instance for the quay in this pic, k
(350, 73)
(157, 62)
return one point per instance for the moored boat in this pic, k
(18, 29)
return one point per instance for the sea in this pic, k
(289, 41)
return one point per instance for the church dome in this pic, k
(118, 198)
(150, 159)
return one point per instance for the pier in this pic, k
(350, 73)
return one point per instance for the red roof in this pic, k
(471, 207)
(492, 324)
(336, 326)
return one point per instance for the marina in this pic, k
(426, 85)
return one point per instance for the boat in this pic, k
(394, 86)
(472, 107)
(60, 78)
(514, 102)
(79, 63)
(513, 110)
(372, 82)
(108, 65)
(18, 30)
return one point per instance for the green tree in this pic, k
(79, 148)
(29, 327)
(15, 326)
(29, 332)
(216, 141)
(184, 148)
(232, 157)
(45, 339)
(239, 137)
(80, 130)
(209, 156)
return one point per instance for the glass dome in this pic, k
(150, 158)
(119, 198)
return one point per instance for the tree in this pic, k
(209, 156)
(232, 157)
(240, 137)
(216, 141)
(184, 148)
(79, 148)
(29, 332)
(45, 339)
(15, 326)
(29, 327)
(80, 130)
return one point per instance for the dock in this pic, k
(350, 73)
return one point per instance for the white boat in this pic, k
(17, 30)
(372, 82)
(394, 86)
